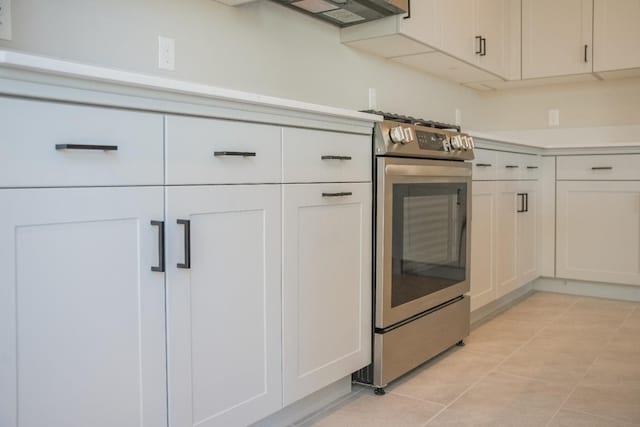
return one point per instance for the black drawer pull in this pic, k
(86, 147)
(160, 266)
(187, 243)
(484, 165)
(512, 166)
(532, 167)
(234, 153)
(602, 168)
(336, 157)
(340, 194)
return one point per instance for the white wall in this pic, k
(605, 103)
(260, 47)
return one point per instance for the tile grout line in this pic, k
(495, 368)
(575, 387)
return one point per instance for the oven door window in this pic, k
(429, 234)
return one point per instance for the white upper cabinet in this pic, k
(460, 40)
(459, 27)
(492, 35)
(556, 37)
(616, 34)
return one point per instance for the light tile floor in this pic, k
(550, 360)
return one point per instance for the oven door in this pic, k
(422, 236)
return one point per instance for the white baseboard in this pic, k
(308, 406)
(494, 307)
(589, 289)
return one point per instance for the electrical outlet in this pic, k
(166, 53)
(5, 19)
(554, 117)
(372, 99)
(458, 117)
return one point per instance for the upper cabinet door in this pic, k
(422, 23)
(616, 34)
(556, 37)
(459, 29)
(492, 19)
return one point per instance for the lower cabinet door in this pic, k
(598, 231)
(527, 233)
(81, 312)
(507, 206)
(223, 304)
(483, 244)
(326, 284)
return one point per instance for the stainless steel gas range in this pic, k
(422, 205)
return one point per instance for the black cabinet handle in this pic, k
(483, 42)
(479, 39)
(234, 153)
(586, 46)
(484, 165)
(526, 202)
(340, 194)
(512, 166)
(602, 168)
(408, 16)
(336, 157)
(532, 167)
(86, 147)
(160, 266)
(187, 243)
(521, 203)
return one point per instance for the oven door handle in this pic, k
(431, 171)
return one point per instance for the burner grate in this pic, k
(412, 120)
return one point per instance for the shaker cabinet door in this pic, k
(556, 37)
(326, 284)
(223, 304)
(598, 231)
(81, 312)
(616, 35)
(483, 244)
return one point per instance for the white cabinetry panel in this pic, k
(616, 35)
(555, 35)
(81, 313)
(483, 241)
(326, 285)
(209, 151)
(317, 156)
(224, 342)
(31, 131)
(598, 231)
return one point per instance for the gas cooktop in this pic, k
(399, 118)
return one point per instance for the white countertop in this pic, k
(28, 62)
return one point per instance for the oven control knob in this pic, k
(400, 135)
(397, 135)
(456, 142)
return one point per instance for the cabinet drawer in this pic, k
(209, 151)
(518, 166)
(319, 156)
(508, 166)
(600, 167)
(484, 165)
(103, 146)
(530, 167)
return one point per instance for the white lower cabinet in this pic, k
(483, 242)
(326, 284)
(223, 304)
(505, 227)
(598, 231)
(82, 317)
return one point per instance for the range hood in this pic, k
(344, 13)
